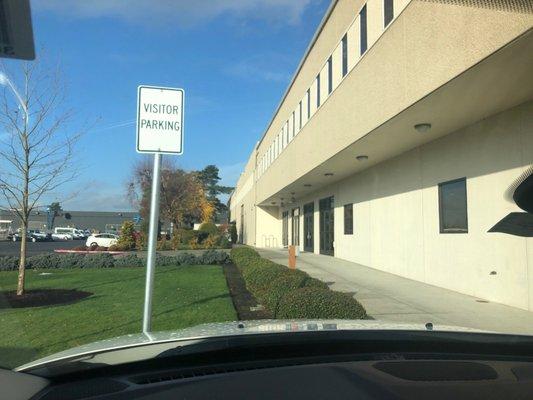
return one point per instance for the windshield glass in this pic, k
(191, 162)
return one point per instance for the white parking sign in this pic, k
(160, 120)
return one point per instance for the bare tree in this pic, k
(36, 148)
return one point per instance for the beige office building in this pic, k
(396, 141)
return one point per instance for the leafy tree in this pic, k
(210, 180)
(182, 198)
(126, 241)
(54, 210)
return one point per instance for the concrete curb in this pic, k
(91, 252)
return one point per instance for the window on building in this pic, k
(300, 121)
(318, 91)
(388, 12)
(330, 75)
(293, 125)
(348, 219)
(287, 131)
(308, 103)
(344, 55)
(453, 214)
(362, 20)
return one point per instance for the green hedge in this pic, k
(312, 302)
(68, 261)
(290, 293)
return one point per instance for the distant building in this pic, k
(100, 221)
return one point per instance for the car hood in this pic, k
(98, 352)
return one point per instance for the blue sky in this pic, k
(234, 58)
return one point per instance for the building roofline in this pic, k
(299, 68)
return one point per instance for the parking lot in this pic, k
(8, 248)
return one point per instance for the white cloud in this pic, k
(181, 13)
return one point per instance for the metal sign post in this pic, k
(159, 131)
(152, 243)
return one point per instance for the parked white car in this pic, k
(102, 240)
(71, 232)
(61, 236)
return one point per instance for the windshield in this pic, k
(230, 161)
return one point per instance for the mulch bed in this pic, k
(242, 299)
(41, 297)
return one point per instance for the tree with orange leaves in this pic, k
(183, 200)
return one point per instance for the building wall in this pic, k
(444, 60)
(415, 55)
(396, 215)
(242, 203)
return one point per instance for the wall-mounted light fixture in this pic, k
(362, 157)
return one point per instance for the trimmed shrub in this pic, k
(126, 241)
(209, 227)
(98, 261)
(311, 302)
(185, 259)
(212, 257)
(316, 283)
(68, 261)
(43, 261)
(164, 261)
(9, 263)
(242, 256)
(129, 260)
(292, 293)
(279, 287)
(81, 248)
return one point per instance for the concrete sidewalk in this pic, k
(391, 298)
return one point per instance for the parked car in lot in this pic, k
(71, 232)
(33, 235)
(39, 236)
(101, 240)
(61, 236)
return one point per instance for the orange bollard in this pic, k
(292, 257)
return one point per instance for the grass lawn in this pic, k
(183, 296)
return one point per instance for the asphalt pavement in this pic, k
(9, 248)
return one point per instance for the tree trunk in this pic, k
(22, 261)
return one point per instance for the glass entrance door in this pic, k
(285, 233)
(295, 226)
(309, 210)
(327, 223)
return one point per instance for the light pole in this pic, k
(5, 81)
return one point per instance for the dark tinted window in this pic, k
(362, 18)
(453, 207)
(348, 219)
(388, 11)
(330, 75)
(344, 55)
